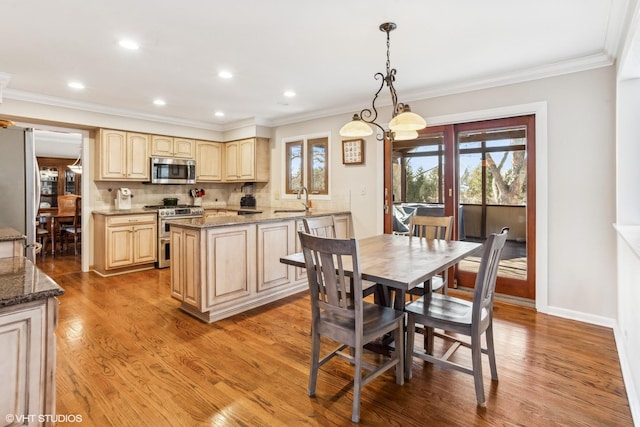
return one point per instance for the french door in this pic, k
(482, 174)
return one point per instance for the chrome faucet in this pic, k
(306, 197)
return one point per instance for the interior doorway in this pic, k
(483, 174)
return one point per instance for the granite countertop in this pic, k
(134, 211)
(266, 215)
(8, 234)
(21, 281)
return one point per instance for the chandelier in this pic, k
(403, 125)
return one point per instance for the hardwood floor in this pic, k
(127, 356)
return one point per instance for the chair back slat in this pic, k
(431, 227)
(323, 226)
(325, 260)
(487, 273)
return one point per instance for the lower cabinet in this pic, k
(27, 368)
(222, 271)
(125, 242)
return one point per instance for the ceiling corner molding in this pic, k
(584, 63)
(4, 82)
(253, 121)
(102, 109)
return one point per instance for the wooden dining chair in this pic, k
(64, 216)
(325, 226)
(351, 322)
(74, 229)
(431, 227)
(462, 317)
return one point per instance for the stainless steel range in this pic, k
(166, 213)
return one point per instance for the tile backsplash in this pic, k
(216, 196)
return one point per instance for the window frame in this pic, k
(307, 160)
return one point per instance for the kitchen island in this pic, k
(28, 317)
(225, 265)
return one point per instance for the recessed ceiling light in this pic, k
(159, 102)
(129, 44)
(75, 85)
(225, 74)
(219, 114)
(289, 94)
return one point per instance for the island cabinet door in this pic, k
(22, 342)
(300, 273)
(185, 266)
(275, 240)
(230, 264)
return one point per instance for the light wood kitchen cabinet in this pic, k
(167, 146)
(124, 242)
(275, 240)
(247, 160)
(185, 277)
(221, 270)
(28, 361)
(231, 264)
(209, 161)
(122, 156)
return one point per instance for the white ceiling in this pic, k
(326, 51)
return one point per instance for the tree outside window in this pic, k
(307, 163)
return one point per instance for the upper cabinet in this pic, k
(166, 146)
(122, 156)
(247, 160)
(209, 161)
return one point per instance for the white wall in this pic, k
(628, 223)
(581, 176)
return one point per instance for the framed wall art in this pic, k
(353, 151)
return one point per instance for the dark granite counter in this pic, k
(21, 281)
(8, 234)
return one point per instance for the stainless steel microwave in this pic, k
(172, 171)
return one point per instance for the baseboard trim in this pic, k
(629, 385)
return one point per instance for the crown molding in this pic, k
(584, 63)
(103, 109)
(519, 76)
(4, 81)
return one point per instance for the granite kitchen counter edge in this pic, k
(267, 215)
(113, 212)
(21, 282)
(8, 234)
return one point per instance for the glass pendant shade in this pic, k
(407, 121)
(405, 135)
(355, 128)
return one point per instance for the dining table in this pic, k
(53, 221)
(399, 262)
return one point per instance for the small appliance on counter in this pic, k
(123, 199)
(247, 201)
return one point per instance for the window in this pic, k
(307, 163)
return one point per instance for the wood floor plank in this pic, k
(127, 356)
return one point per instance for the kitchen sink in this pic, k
(289, 210)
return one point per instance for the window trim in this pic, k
(306, 165)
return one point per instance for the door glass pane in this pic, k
(418, 178)
(493, 193)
